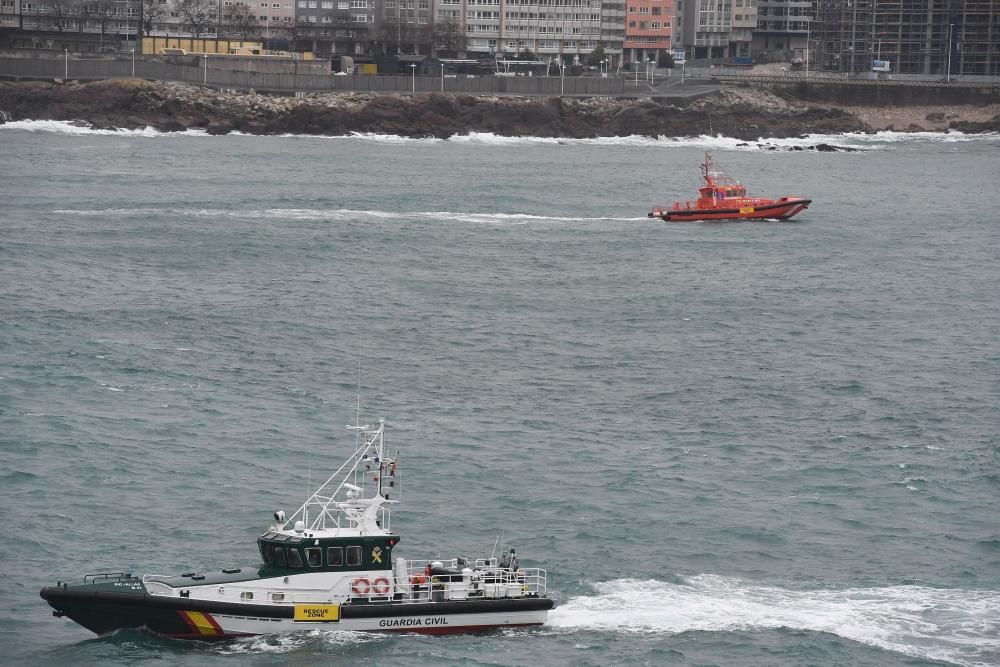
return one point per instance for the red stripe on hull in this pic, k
(438, 630)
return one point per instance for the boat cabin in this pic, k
(307, 552)
(715, 194)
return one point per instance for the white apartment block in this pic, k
(716, 30)
(566, 30)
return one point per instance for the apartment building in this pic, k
(10, 14)
(648, 29)
(783, 26)
(565, 30)
(716, 30)
(562, 30)
(909, 36)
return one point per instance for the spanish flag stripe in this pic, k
(202, 623)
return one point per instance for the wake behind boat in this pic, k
(328, 566)
(722, 198)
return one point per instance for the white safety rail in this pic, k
(479, 580)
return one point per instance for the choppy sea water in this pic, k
(729, 443)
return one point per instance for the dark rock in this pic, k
(173, 107)
(971, 127)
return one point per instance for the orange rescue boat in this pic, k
(722, 198)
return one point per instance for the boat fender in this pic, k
(360, 586)
(380, 586)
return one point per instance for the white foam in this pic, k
(344, 214)
(959, 626)
(857, 140)
(72, 128)
(288, 643)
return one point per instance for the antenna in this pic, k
(499, 537)
(357, 414)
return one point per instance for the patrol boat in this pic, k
(328, 566)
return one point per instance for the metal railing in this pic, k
(206, 73)
(486, 580)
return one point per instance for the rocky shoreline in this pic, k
(749, 115)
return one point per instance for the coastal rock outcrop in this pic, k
(749, 115)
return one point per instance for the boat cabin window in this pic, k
(335, 556)
(314, 557)
(246, 595)
(265, 551)
(353, 556)
(279, 557)
(294, 558)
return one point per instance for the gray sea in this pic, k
(768, 443)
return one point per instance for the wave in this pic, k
(874, 141)
(958, 626)
(74, 128)
(294, 642)
(343, 214)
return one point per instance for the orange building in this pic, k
(648, 26)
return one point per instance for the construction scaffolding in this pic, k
(945, 37)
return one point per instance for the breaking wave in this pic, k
(857, 141)
(958, 626)
(74, 128)
(288, 643)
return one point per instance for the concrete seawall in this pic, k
(873, 93)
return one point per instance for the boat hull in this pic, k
(185, 618)
(782, 209)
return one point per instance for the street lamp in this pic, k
(947, 76)
(808, 34)
(133, 63)
(66, 55)
(442, 77)
(413, 77)
(562, 77)
(205, 76)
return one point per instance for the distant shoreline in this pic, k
(745, 114)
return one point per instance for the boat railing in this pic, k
(106, 576)
(456, 579)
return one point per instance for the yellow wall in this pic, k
(152, 45)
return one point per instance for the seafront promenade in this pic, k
(678, 84)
